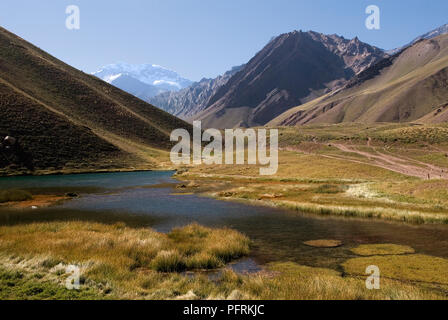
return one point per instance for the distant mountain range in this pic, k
(190, 101)
(144, 80)
(64, 119)
(291, 70)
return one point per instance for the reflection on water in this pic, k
(101, 180)
(277, 234)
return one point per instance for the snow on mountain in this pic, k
(142, 80)
(429, 35)
(434, 33)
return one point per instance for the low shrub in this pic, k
(330, 189)
(14, 196)
(168, 261)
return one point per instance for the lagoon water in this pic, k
(145, 199)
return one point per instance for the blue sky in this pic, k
(204, 38)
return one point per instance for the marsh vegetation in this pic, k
(120, 262)
(384, 171)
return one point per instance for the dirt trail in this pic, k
(400, 164)
(404, 165)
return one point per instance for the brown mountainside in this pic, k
(409, 86)
(292, 69)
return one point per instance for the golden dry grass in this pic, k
(316, 177)
(119, 262)
(412, 267)
(292, 282)
(118, 259)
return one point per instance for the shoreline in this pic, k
(345, 212)
(356, 212)
(38, 202)
(67, 173)
(412, 217)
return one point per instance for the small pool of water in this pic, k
(277, 235)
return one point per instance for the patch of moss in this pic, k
(330, 189)
(14, 196)
(415, 267)
(16, 285)
(295, 282)
(324, 243)
(382, 249)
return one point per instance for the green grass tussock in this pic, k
(382, 249)
(330, 189)
(14, 196)
(205, 261)
(209, 247)
(16, 285)
(169, 261)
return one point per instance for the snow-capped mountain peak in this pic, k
(142, 80)
(434, 33)
(111, 78)
(150, 74)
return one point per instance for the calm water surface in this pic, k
(278, 235)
